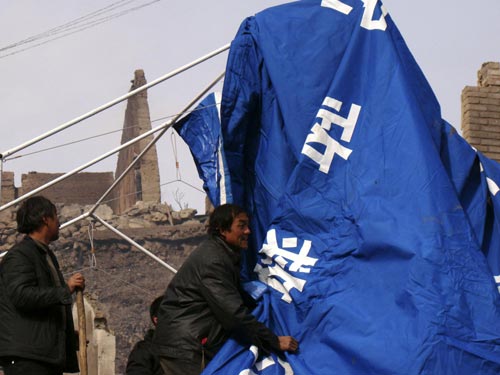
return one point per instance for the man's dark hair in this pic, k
(155, 307)
(33, 210)
(222, 218)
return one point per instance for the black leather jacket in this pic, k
(35, 315)
(142, 360)
(204, 301)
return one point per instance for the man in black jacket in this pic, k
(36, 325)
(142, 360)
(203, 304)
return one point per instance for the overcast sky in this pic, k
(44, 86)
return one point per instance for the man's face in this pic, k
(237, 235)
(52, 226)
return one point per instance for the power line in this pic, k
(60, 27)
(80, 24)
(101, 134)
(70, 143)
(185, 183)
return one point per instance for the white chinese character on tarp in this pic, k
(278, 263)
(497, 281)
(337, 5)
(492, 185)
(265, 363)
(367, 22)
(319, 134)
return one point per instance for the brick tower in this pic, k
(143, 182)
(481, 111)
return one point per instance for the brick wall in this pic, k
(9, 192)
(82, 188)
(481, 111)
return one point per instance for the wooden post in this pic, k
(82, 332)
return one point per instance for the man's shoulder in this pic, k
(141, 345)
(25, 242)
(24, 252)
(210, 249)
(144, 345)
(209, 252)
(211, 242)
(22, 248)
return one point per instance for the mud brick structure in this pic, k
(142, 183)
(9, 191)
(81, 188)
(481, 111)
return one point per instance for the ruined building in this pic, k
(82, 188)
(121, 280)
(481, 111)
(9, 190)
(142, 183)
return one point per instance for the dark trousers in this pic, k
(22, 366)
(181, 366)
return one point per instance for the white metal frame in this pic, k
(161, 129)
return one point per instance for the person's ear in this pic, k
(155, 320)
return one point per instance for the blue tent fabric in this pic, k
(202, 130)
(375, 225)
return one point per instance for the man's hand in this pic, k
(288, 343)
(76, 281)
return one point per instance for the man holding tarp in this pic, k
(204, 303)
(375, 225)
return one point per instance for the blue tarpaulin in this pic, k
(375, 225)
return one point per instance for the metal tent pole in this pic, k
(75, 220)
(7, 153)
(117, 181)
(153, 142)
(76, 170)
(132, 242)
(1, 175)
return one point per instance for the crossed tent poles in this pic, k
(159, 131)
